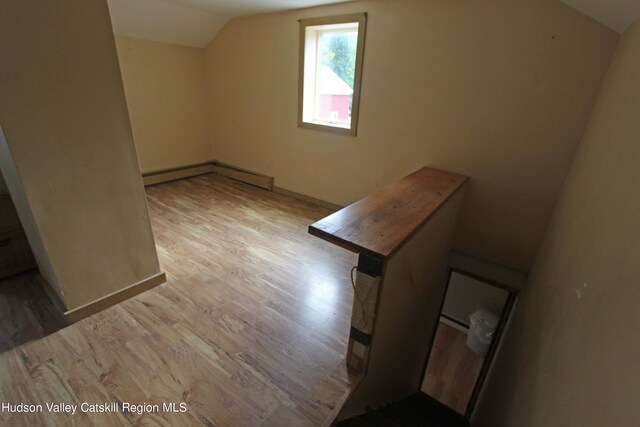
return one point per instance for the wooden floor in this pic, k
(452, 369)
(26, 312)
(250, 329)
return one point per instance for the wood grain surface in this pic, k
(411, 293)
(452, 370)
(250, 329)
(383, 221)
(26, 312)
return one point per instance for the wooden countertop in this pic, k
(382, 222)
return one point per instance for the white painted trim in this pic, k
(454, 325)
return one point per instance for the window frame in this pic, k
(361, 20)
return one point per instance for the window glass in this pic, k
(330, 70)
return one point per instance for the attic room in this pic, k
(277, 213)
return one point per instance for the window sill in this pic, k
(328, 127)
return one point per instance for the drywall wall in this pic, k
(166, 95)
(18, 197)
(3, 186)
(570, 357)
(499, 90)
(65, 119)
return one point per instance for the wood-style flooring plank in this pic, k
(251, 327)
(452, 370)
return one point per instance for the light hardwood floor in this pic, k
(250, 329)
(452, 369)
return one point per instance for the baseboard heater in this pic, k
(244, 175)
(159, 177)
(232, 172)
(223, 169)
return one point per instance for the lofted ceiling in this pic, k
(190, 22)
(196, 22)
(615, 14)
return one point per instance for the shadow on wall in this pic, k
(3, 186)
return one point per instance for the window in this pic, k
(331, 50)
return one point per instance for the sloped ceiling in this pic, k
(164, 21)
(615, 14)
(196, 22)
(190, 22)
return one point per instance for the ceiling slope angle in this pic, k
(190, 22)
(164, 21)
(615, 14)
(233, 8)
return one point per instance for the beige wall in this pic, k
(19, 198)
(499, 90)
(166, 95)
(571, 355)
(64, 115)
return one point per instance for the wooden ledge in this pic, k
(382, 222)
